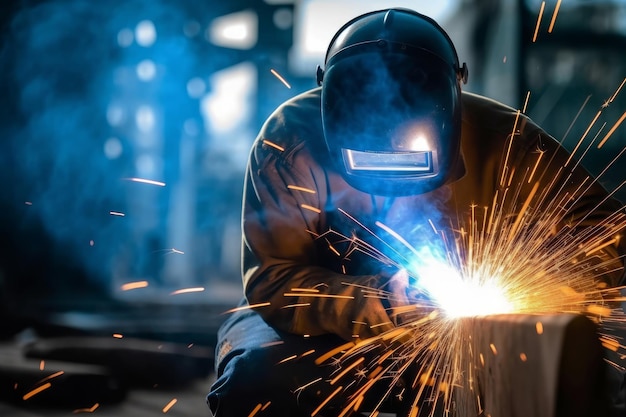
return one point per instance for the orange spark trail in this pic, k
(36, 391)
(617, 91)
(273, 145)
(303, 189)
(280, 77)
(187, 290)
(51, 376)
(556, 12)
(526, 102)
(543, 5)
(134, 285)
(169, 405)
(87, 410)
(247, 307)
(146, 181)
(613, 129)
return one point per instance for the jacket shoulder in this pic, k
(295, 122)
(487, 114)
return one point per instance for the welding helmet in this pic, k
(391, 109)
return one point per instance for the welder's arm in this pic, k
(281, 265)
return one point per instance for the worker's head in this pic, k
(391, 106)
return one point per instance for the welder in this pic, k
(389, 137)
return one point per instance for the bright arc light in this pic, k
(420, 143)
(461, 297)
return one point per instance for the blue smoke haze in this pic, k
(65, 70)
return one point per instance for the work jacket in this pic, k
(312, 243)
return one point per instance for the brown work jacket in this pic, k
(306, 230)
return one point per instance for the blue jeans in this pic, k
(256, 369)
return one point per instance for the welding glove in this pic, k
(397, 299)
(405, 302)
(354, 309)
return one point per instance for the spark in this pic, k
(287, 359)
(275, 343)
(297, 294)
(169, 405)
(534, 170)
(613, 129)
(247, 307)
(346, 370)
(571, 125)
(280, 77)
(543, 6)
(508, 150)
(146, 181)
(305, 386)
(296, 305)
(49, 377)
(526, 102)
(36, 391)
(556, 12)
(42, 365)
(118, 335)
(134, 285)
(303, 189)
(259, 407)
(523, 212)
(617, 91)
(273, 145)
(187, 290)
(310, 208)
(117, 213)
(87, 410)
(313, 290)
(582, 138)
(307, 353)
(323, 404)
(256, 409)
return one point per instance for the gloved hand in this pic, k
(354, 309)
(397, 298)
(405, 302)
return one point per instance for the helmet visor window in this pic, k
(412, 162)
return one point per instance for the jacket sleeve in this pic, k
(282, 273)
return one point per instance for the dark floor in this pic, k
(82, 387)
(150, 361)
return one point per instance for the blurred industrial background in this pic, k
(124, 133)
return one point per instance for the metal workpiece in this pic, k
(536, 365)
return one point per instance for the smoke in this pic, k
(65, 67)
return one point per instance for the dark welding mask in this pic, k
(391, 107)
